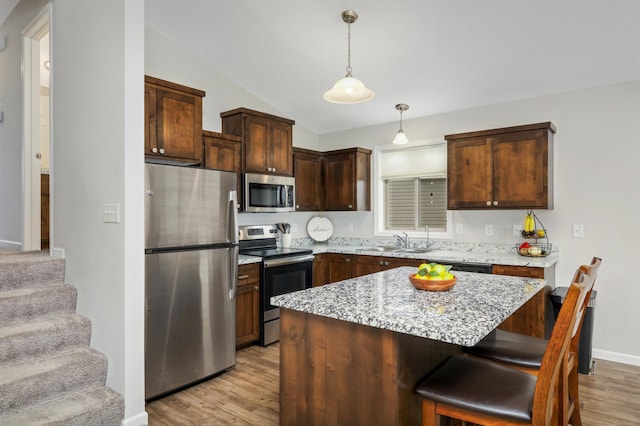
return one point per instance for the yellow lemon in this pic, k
(424, 266)
(447, 276)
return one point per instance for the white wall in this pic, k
(11, 128)
(165, 60)
(596, 174)
(97, 93)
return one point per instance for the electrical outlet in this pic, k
(578, 230)
(459, 229)
(350, 227)
(488, 230)
(111, 213)
(517, 230)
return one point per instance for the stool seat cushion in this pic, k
(481, 386)
(511, 348)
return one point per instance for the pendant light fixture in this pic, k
(349, 90)
(401, 138)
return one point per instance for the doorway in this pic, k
(36, 140)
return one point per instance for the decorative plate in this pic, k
(319, 228)
(431, 285)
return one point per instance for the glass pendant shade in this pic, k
(348, 90)
(400, 138)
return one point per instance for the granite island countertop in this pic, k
(463, 315)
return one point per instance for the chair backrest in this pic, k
(558, 348)
(592, 271)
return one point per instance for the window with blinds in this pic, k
(415, 203)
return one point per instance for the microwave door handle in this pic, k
(283, 195)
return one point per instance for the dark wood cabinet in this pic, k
(223, 152)
(267, 140)
(508, 168)
(339, 267)
(173, 121)
(320, 269)
(348, 179)
(308, 168)
(248, 305)
(370, 264)
(535, 317)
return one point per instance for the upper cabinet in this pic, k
(222, 152)
(308, 168)
(508, 168)
(173, 121)
(348, 179)
(266, 140)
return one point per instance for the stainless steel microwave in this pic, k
(268, 193)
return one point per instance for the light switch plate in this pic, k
(111, 213)
(488, 230)
(578, 230)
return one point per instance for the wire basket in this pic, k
(534, 250)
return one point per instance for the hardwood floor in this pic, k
(248, 395)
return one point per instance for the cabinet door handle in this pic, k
(495, 203)
(161, 150)
(381, 263)
(256, 288)
(347, 260)
(386, 263)
(297, 206)
(350, 206)
(154, 150)
(273, 169)
(488, 203)
(243, 277)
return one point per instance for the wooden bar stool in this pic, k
(488, 393)
(526, 352)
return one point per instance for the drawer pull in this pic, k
(243, 277)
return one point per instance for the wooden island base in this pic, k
(334, 372)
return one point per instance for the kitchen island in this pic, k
(352, 352)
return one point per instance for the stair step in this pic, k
(45, 336)
(30, 269)
(95, 407)
(40, 380)
(26, 304)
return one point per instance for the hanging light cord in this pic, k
(348, 50)
(401, 111)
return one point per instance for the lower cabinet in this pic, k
(320, 273)
(248, 305)
(370, 264)
(339, 267)
(534, 318)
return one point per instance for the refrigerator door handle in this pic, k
(233, 272)
(233, 217)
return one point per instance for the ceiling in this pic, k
(436, 56)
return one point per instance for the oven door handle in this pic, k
(270, 263)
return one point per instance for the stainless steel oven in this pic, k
(268, 193)
(283, 270)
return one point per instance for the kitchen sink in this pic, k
(387, 249)
(380, 249)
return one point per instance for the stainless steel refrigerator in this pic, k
(191, 258)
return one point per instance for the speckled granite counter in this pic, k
(466, 313)
(244, 259)
(476, 253)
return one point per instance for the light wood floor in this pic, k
(248, 395)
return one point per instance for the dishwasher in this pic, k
(480, 268)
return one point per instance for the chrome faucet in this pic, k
(403, 241)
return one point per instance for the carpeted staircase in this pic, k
(48, 373)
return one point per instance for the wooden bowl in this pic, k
(431, 285)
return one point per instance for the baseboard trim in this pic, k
(616, 357)
(140, 419)
(10, 245)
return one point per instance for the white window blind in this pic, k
(415, 203)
